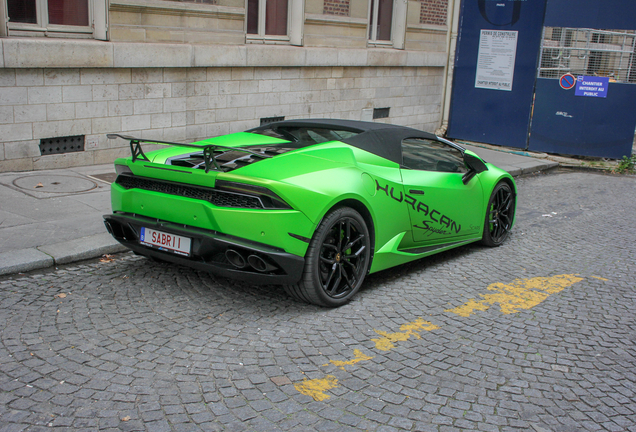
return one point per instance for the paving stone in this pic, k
(175, 349)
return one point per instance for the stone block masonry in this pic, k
(192, 103)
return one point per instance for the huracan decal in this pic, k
(386, 191)
(419, 206)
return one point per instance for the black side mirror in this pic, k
(475, 166)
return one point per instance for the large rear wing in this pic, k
(208, 150)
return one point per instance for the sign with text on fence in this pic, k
(591, 86)
(496, 59)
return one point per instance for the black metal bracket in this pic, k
(137, 152)
(208, 155)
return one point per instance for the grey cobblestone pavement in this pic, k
(536, 335)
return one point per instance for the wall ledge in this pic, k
(428, 28)
(323, 19)
(67, 53)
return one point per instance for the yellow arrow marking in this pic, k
(520, 294)
(359, 356)
(316, 387)
(385, 343)
(600, 278)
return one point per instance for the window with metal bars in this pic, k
(266, 120)
(58, 145)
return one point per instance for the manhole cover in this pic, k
(54, 184)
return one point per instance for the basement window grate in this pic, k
(59, 145)
(266, 120)
(381, 112)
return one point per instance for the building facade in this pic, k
(72, 71)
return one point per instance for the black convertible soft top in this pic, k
(382, 139)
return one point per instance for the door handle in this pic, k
(416, 192)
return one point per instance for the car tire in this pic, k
(337, 260)
(499, 215)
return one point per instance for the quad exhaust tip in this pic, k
(256, 262)
(235, 258)
(259, 264)
(109, 228)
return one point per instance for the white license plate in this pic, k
(165, 242)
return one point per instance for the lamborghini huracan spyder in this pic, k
(314, 205)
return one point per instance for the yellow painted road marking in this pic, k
(600, 278)
(359, 356)
(520, 294)
(385, 343)
(316, 387)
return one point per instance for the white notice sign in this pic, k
(496, 59)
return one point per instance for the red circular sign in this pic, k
(567, 81)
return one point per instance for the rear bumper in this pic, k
(209, 249)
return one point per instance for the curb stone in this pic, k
(24, 260)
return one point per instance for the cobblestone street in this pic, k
(537, 335)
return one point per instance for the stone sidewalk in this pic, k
(55, 217)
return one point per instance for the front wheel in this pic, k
(337, 260)
(499, 215)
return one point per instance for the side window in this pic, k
(380, 20)
(267, 17)
(80, 18)
(275, 21)
(430, 155)
(387, 23)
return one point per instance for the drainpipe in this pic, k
(4, 19)
(454, 7)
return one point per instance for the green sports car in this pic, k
(314, 205)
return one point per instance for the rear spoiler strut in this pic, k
(208, 150)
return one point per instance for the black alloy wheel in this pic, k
(499, 215)
(337, 260)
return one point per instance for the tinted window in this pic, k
(307, 135)
(430, 155)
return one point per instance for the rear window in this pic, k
(307, 135)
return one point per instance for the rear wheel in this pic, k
(337, 260)
(499, 215)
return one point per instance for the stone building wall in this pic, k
(187, 70)
(176, 104)
(176, 22)
(328, 23)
